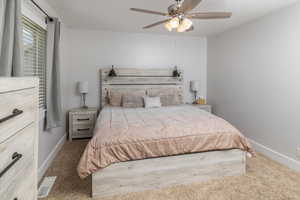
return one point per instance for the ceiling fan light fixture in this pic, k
(181, 29)
(168, 26)
(174, 22)
(185, 25)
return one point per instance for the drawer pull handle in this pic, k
(15, 113)
(83, 119)
(15, 158)
(85, 129)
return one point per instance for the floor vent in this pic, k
(46, 186)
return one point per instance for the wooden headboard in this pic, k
(138, 78)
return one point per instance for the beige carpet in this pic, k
(265, 180)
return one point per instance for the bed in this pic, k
(137, 149)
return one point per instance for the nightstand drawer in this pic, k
(82, 122)
(83, 130)
(83, 119)
(206, 108)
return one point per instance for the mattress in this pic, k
(125, 134)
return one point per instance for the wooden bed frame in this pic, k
(156, 173)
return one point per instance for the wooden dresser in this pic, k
(18, 138)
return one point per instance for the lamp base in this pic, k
(196, 95)
(83, 99)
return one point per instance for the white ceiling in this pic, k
(114, 15)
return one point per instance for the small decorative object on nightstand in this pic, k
(176, 72)
(83, 88)
(112, 72)
(204, 107)
(195, 87)
(82, 122)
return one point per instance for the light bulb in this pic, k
(181, 29)
(168, 26)
(184, 25)
(174, 22)
(187, 23)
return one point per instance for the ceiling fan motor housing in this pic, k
(173, 9)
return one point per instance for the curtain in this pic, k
(53, 90)
(11, 45)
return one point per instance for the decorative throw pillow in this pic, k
(115, 95)
(170, 100)
(132, 101)
(168, 96)
(152, 102)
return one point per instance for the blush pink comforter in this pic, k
(124, 134)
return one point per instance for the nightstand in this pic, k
(82, 122)
(203, 107)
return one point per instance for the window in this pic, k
(34, 39)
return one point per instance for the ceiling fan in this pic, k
(179, 18)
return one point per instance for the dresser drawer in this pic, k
(22, 186)
(16, 152)
(83, 130)
(17, 110)
(83, 118)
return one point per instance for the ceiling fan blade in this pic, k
(209, 15)
(148, 11)
(156, 24)
(189, 5)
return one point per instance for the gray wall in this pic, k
(91, 49)
(254, 79)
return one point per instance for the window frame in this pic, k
(33, 14)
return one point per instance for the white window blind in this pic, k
(34, 39)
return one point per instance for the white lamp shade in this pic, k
(195, 86)
(83, 87)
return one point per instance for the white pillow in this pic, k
(152, 102)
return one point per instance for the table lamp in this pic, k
(83, 88)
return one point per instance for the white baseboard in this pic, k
(46, 164)
(274, 155)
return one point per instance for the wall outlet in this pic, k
(298, 153)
